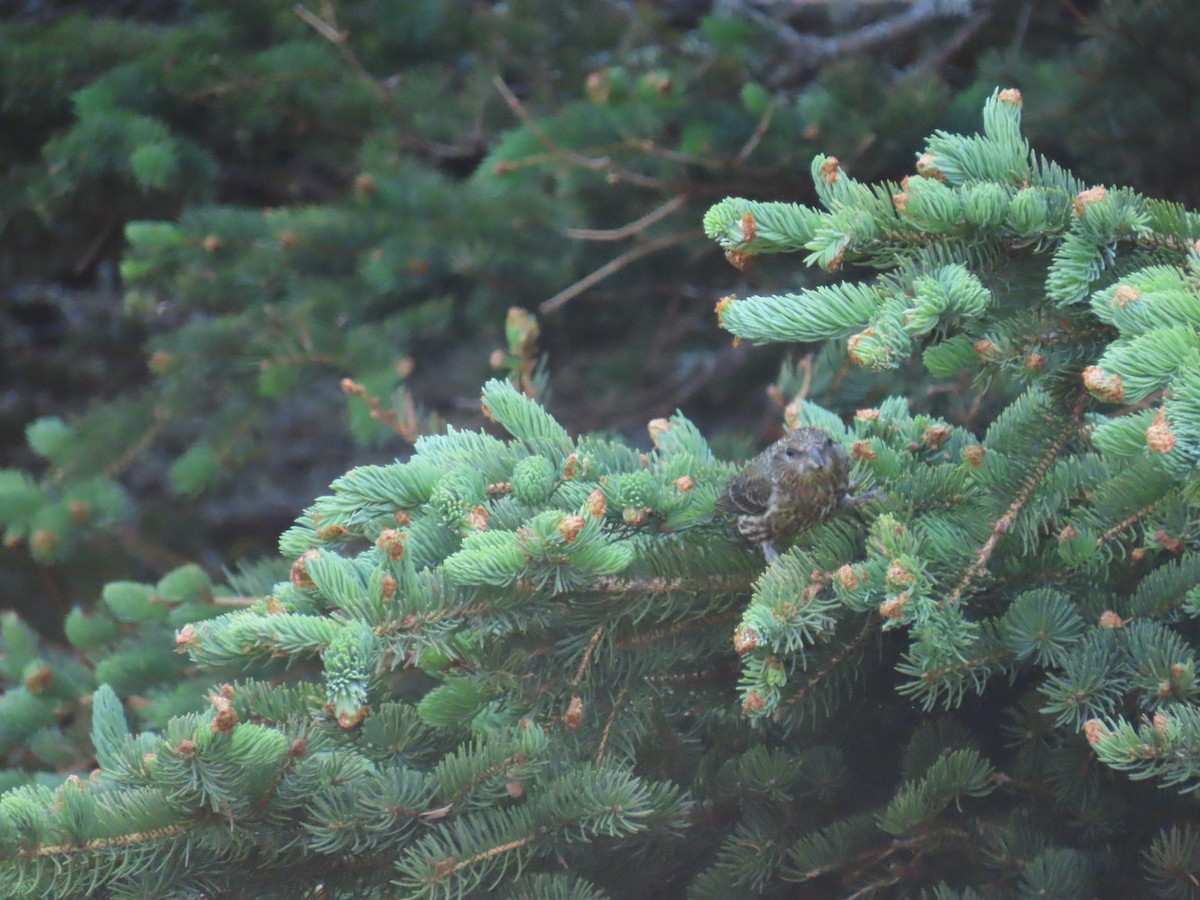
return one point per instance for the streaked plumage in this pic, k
(798, 481)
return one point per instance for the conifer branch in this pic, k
(1004, 524)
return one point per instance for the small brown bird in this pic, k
(795, 483)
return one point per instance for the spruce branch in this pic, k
(1004, 524)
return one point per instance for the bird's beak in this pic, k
(817, 457)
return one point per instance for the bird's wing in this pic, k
(749, 495)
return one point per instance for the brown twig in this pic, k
(1004, 524)
(633, 228)
(608, 723)
(599, 164)
(326, 25)
(587, 655)
(760, 131)
(617, 264)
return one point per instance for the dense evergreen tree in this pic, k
(509, 666)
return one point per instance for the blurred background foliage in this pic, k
(246, 245)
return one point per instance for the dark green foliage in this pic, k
(503, 666)
(293, 195)
(126, 645)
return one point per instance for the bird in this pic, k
(800, 480)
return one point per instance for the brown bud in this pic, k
(595, 503)
(1084, 199)
(299, 574)
(573, 717)
(740, 260)
(900, 201)
(893, 607)
(487, 412)
(331, 533)
(867, 415)
(401, 518)
(498, 359)
(927, 167)
(570, 527)
(1011, 96)
(934, 436)
(1137, 555)
(791, 414)
(391, 542)
(684, 483)
(1159, 436)
(1109, 619)
(862, 450)
(212, 243)
(79, 512)
(1160, 723)
(187, 749)
(364, 185)
(1068, 533)
(350, 720)
(657, 428)
(40, 678)
(975, 454)
(830, 170)
(722, 305)
(160, 361)
(515, 789)
(752, 703)
(186, 637)
(43, 540)
(1103, 386)
(852, 344)
(1095, 731)
(836, 263)
(632, 516)
(899, 576)
(477, 519)
(658, 82)
(745, 639)
(985, 350)
(1170, 544)
(1033, 363)
(811, 131)
(598, 86)
(749, 228)
(848, 578)
(387, 587)
(570, 467)
(298, 749)
(352, 388)
(1124, 294)
(275, 607)
(288, 239)
(225, 720)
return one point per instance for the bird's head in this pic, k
(805, 450)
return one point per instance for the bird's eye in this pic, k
(790, 452)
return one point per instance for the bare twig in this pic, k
(617, 264)
(595, 163)
(633, 228)
(326, 26)
(760, 131)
